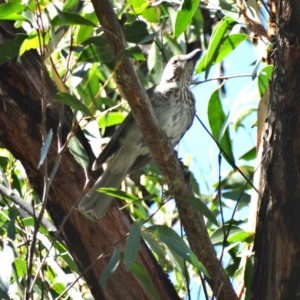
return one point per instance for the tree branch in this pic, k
(163, 154)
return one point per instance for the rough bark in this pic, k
(20, 133)
(164, 155)
(277, 242)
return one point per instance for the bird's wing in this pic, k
(140, 162)
(114, 144)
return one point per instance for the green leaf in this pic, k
(200, 206)
(111, 119)
(217, 236)
(248, 275)
(133, 243)
(20, 267)
(230, 43)
(184, 16)
(249, 155)
(241, 115)
(6, 260)
(144, 278)
(133, 52)
(230, 8)
(241, 237)
(10, 49)
(264, 77)
(78, 152)
(218, 37)
(9, 9)
(235, 195)
(71, 19)
(135, 32)
(173, 241)
(73, 102)
(155, 246)
(94, 54)
(118, 194)
(216, 118)
(45, 147)
(110, 267)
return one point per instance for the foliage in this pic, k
(80, 62)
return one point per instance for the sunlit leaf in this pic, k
(229, 44)
(110, 267)
(249, 155)
(7, 10)
(184, 15)
(133, 243)
(45, 147)
(217, 236)
(118, 194)
(264, 77)
(111, 119)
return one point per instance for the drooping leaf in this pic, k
(71, 19)
(184, 16)
(78, 152)
(9, 11)
(235, 195)
(133, 243)
(173, 241)
(200, 206)
(144, 278)
(216, 118)
(110, 267)
(73, 102)
(118, 194)
(45, 147)
(10, 49)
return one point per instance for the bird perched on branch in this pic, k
(174, 106)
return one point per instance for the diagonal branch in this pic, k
(163, 154)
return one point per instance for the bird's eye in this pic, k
(174, 62)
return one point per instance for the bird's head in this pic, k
(180, 67)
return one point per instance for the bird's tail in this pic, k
(97, 203)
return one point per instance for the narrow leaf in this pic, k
(216, 118)
(73, 102)
(173, 241)
(111, 119)
(118, 194)
(8, 9)
(71, 19)
(133, 243)
(45, 147)
(184, 15)
(144, 278)
(200, 206)
(78, 152)
(217, 236)
(249, 155)
(110, 267)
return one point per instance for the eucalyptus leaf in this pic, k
(45, 147)
(78, 152)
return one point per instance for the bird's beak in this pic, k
(194, 55)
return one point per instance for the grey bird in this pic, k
(174, 106)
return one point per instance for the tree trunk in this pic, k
(20, 133)
(277, 243)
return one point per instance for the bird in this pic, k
(174, 106)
